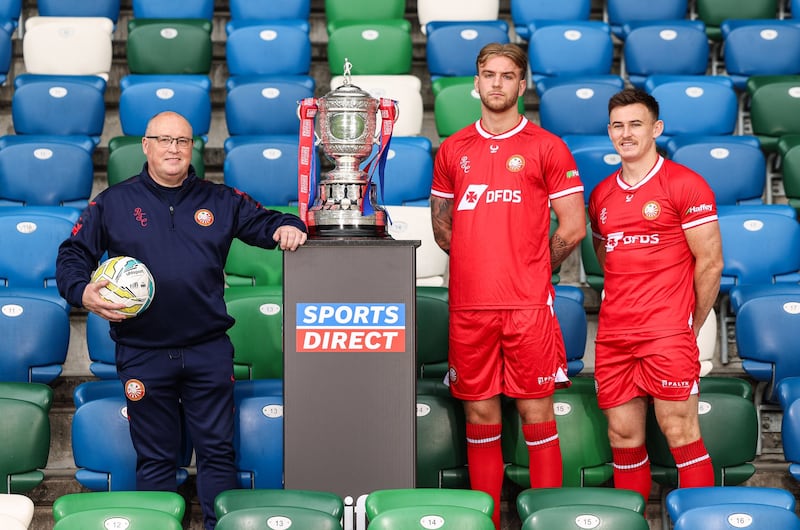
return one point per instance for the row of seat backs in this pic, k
(724, 401)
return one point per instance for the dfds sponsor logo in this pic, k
(351, 327)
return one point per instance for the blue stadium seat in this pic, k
(258, 436)
(11, 10)
(408, 173)
(101, 348)
(765, 339)
(268, 48)
(759, 247)
(734, 166)
(144, 96)
(30, 243)
(621, 12)
(451, 47)
(527, 13)
(59, 104)
(36, 337)
(265, 168)
(102, 446)
(79, 8)
(595, 157)
(267, 10)
(681, 500)
(788, 392)
(572, 319)
(760, 47)
(570, 48)
(694, 104)
(672, 47)
(45, 173)
(82, 141)
(257, 105)
(183, 9)
(738, 515)
(577, 107)
(6, 48)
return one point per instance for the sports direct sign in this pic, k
(351, 327)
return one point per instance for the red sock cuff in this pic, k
(691, 454)
(484, 435)
(629, 458)
(542, 434)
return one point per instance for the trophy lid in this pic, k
(347, 89)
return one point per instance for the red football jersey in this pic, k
(649, 267)
(501, 186)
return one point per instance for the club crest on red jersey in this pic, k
(651, 210)
(515, 163)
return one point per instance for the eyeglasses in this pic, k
(165, 141)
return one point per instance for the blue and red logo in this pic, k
(351, 327)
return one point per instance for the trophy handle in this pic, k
(317, 138)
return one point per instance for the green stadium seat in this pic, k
(721, 414)
(578, 516)
(373, 48)
(25, 436)
(583, 435)
(169, 46)
(277, 517)
(125, 158)
(532, 500)
(774, 102)
(441, 437)
(789, 152)
(257, 333)
(342, 12)
(129, 518)
(249, 266)
(234, 500)
(384, 500)
(714, 12)
(439, 517)
(457, 104)
(169, 502)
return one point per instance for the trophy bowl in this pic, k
(346, 202)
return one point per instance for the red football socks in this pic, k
(544, 453)
(485, 459)
(694, 465)
(632, 469)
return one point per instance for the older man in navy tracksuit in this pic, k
(176, 353)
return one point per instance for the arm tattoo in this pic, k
(559, 250)
(442, 221)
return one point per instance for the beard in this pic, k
(496, 104)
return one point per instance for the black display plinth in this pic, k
(349, 366)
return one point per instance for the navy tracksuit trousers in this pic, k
(162, 387)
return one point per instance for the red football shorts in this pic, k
(629, 366)
(516, 352)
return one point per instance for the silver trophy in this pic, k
(346, 202)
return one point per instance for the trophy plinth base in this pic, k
(348, 232)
